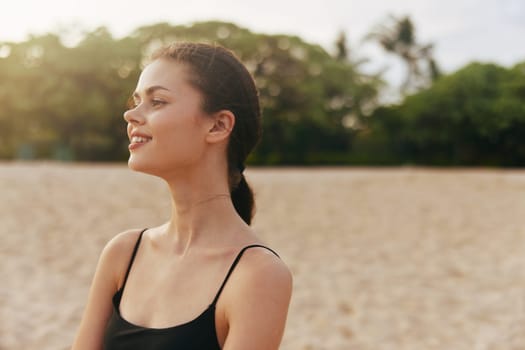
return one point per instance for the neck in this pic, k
(213, 197)
(200, 212)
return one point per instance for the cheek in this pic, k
(179, 136)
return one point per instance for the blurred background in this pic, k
(342, 82)
(389, 178)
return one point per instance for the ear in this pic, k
(223, 122)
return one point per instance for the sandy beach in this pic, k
(388, 258)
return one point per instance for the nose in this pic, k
(133, 116)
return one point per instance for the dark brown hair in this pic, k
(225, 84)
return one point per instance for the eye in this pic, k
(157, 102)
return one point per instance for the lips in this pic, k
(138, 140)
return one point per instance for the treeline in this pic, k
(475, 116)
(66, 102)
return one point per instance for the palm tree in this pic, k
(398, 37)
(341, 47)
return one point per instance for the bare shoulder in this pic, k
(123, 240)
(260, 262)
(108, 277)
(256, 304)
(261, 273)
(117, 252)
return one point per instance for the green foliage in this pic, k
(475, 116)
(61, 100)
(67, 102)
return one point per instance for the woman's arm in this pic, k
(109, 273)
(257, 304)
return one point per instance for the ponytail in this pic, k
(243, 201)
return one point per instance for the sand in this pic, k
(397, 258)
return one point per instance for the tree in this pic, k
(341, 47)
(398, 37)
(475, 116)
(78, 93)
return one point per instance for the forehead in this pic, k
(165, 73)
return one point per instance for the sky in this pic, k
(461, 30)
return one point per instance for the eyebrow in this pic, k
(150, 90)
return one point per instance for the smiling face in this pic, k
(167, 126)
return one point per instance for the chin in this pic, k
(141, 166)
(138, 165)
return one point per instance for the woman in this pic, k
(183, 285)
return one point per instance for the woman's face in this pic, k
(167, 126)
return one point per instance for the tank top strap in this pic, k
(232, 267)
(132, 259)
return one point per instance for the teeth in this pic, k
(140, 139)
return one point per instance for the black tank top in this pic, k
(198, 334)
